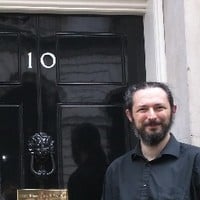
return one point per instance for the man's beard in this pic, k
(153, 138)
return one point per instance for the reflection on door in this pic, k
(65, 76)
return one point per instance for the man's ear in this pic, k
(129, 115)
(174, 108)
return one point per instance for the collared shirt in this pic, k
(173, 175)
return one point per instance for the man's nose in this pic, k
(152, 114)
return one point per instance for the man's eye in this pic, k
(159, 108)
(142, 110)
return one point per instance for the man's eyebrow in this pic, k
(159, 104)
(145, 105)
(141, 106)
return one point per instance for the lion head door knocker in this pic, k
(41, 148)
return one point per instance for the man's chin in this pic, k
(152, 138)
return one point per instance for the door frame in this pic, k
(151, 10)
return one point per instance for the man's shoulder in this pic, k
(193, 155)
(122, 160)
(189, 148)
(190, 151)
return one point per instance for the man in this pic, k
(159, 167)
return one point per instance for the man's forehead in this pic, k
(150, 94)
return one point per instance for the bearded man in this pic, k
(159, 167)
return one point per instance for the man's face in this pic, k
(151, 115)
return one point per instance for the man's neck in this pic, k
(151, 152)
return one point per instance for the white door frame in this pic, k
(152, 10)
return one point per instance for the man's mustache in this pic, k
(152, 123)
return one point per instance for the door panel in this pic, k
(66, 76)
(101, 117)
(90, 59)
(10, 148)
(9, 48)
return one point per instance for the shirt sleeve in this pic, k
(107, 186)
(196, 178)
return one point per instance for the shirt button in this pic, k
(145, 185)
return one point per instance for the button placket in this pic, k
(145, 181)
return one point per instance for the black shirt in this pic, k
(173, 175)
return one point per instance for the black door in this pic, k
(62, 80)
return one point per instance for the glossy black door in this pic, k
(65, 76)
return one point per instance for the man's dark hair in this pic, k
(134, 88)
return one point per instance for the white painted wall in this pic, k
(192, 34)
(176, 61)
(182, 39)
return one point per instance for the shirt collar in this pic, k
(171, 149)
(137, 153)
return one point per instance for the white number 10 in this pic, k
(42, 60)
(30, 60)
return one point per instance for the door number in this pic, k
(42, 62)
